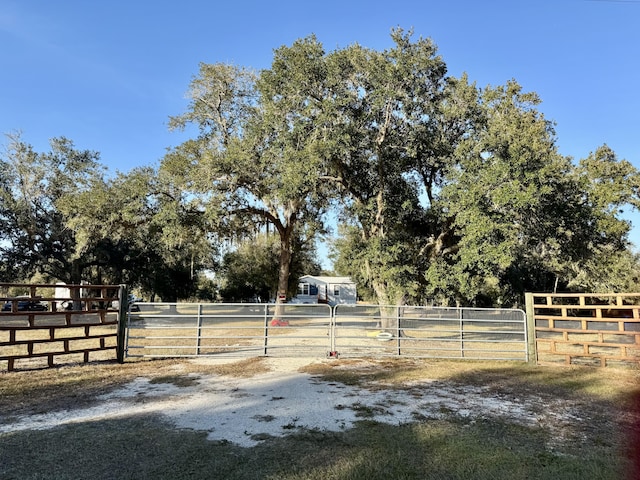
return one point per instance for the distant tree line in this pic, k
(443, 191)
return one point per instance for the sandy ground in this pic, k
(246, 411)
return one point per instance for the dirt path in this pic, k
(246, 411)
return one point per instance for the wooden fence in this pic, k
(45, 324)
(585, 329)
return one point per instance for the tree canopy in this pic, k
(33, 232)
(256, 160)
(459, 194)
(443, 191)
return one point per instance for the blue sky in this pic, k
(109, 74)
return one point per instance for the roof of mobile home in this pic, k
(328, 279)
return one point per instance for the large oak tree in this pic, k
(255, 161)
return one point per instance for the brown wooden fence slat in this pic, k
(586, 329)
(32, 335)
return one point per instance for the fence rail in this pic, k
(39, 324)
(43, 325)
(431, 332)
(244, 329)
(586, 329)
(186, 330)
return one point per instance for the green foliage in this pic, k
(459, 195)
(206, 289)
(527, 218)
(256, 160)
(250, 271)
(608, 185)
(393, 121)
(33, 232)
(506, 196)
(611, 270)
(445, 192)
(155, 242)
(63, 220)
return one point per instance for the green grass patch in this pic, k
(143, 447)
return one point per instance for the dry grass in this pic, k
(75, 386)
(144, 447)
(610, 384)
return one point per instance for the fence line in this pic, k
(431, 332)
(586, 329)
(559, 329)
(243, 329)
(186, 330)
(41, 325)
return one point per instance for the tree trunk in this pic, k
(387, 311)
(283, 276)
(76, 271)
(284, 267)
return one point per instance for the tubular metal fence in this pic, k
(430, 332)
(243, 329)
(254, 329)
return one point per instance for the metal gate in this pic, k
(242, 329)
(430, 332)
(254, 329)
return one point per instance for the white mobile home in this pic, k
(331, 290)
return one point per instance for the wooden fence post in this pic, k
(531, 329)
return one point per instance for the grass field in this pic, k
(594, 445)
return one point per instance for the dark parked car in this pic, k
(25, 305)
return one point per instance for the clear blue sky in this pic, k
(108, 75)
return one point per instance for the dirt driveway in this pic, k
(291, 394)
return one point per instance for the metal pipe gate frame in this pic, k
(361, 330)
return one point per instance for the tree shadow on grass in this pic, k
(146, 447)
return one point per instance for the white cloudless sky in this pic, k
(107, 75)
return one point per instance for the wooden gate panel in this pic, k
(586, 329)
(77, 327)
